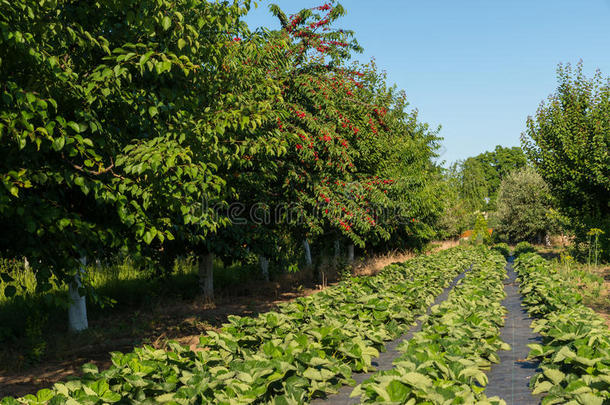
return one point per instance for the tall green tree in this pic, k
(474, 186)
(496, 165)
(456, 216)
(568, 142)
(109, 138)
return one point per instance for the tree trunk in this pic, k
(264, 262)
(336, 255)
(206, 279)
(350, 252)
(77, 312)
(547, 240)
(308, 260)
(26, 264)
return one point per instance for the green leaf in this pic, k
(152, 111)
(397, 391)
(556, 376)
(44, 395)
(90, 368)
(74, 126)
(181, 43)
(166, 23)
(417, 380)
(58, 143)
(541, 387)
(148, 237)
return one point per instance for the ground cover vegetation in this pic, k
(163, 147)
(445, 362)
(575, 352)
(305, 349)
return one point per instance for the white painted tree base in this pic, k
(350, 252)
(308, 260)
(77, 312)
(264, 262)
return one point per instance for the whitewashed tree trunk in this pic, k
(206, 278)
(26, 264)
(77, 312)
(264, 262)
(350, 252)
(308, 260)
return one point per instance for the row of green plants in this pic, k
(305, 349)
(575, 352)
(445, 362)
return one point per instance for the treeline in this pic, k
(557, 182)
(164, 129)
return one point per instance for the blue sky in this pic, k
(478, 68)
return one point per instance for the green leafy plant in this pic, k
(305, 349)
(575, 352)
(594, 233)
(502, 248)
(524, 247)
(445, 362)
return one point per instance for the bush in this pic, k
(480, 233)
(524, 247)
(502, 248)
(524, 207)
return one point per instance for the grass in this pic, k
(592, 281)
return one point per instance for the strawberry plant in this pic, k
(575, 352)
(445, 362)
(305, 349)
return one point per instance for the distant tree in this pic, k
(474, 185)
(568, 142)
(456, 217)
(496, 164)
(524, 207)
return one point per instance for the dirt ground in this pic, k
(179, 320)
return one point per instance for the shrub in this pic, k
(480, 233)
(524, 247)
(502, 248)
(524, 207)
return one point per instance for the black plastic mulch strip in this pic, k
(509, 379)
(385, 359)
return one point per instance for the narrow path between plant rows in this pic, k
(385, 359)
(510, 378)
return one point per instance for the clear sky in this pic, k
(478, 68)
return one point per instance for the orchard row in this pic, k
(124, 129)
